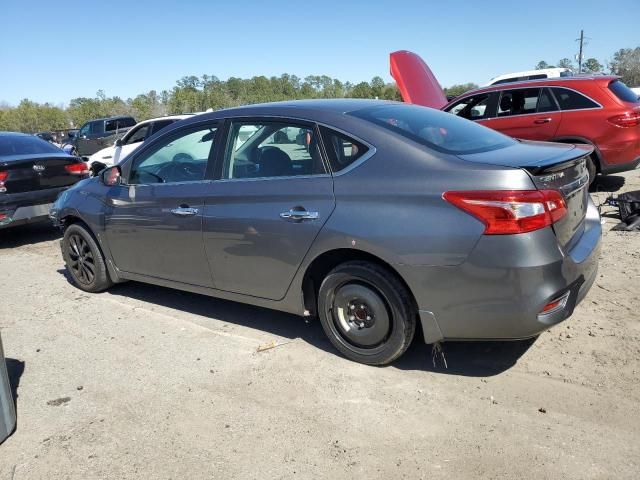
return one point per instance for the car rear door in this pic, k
(269, 203)
(154, 220)
(528, 113)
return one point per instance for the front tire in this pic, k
(84, 260)
(366, 312)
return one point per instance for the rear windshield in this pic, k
(25, 145)
(623, 92)
(435, 129)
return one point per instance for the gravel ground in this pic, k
(147, 382)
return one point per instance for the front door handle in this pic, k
(184, 211)
(540, 121)
(296, 215)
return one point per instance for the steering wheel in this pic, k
(181, 168)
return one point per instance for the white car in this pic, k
(530, 75)
(133, 139)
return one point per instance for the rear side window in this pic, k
(546, 103)
(572, 100)
(435, 129)
(623, 92)
(117, 124)
(25, 145)
(341, 149)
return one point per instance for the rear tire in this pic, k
(592, 169)
(84, 260)
(366, 312)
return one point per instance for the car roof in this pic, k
(115, 117)
(557, 82)
(11, 134)
(167, 117)
(297, 108)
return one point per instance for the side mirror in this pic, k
(118, 142)
(111, 176)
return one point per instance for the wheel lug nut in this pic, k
(352, 307)
(368, 317)
(352, 318)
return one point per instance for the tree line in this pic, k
(625, 63)
(190, 94)
(194, 94)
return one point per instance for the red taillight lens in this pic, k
(3, 177)
(626, 120)
(77, 168)
(511, 211)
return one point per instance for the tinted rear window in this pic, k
(117, 124)
(25, 145)
(623, 92)
(435, 129)
(572, 100)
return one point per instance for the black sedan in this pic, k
(32, 174)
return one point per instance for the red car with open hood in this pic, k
(591, 109)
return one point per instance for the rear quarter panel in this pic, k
(391, 205)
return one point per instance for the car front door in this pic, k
(528, 113)
(83, 139)
(272, 196)
(154, 223)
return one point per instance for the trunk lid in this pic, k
(551, 166)
(416, 81)
(31, 172)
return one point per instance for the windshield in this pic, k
(25, 145)
(435, 129)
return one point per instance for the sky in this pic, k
(55, 51)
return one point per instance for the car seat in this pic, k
(275, 163)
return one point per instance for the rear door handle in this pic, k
(294, 215)
(184, 211)
(540, 121)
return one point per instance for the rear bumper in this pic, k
(620, 167)
(502, 288)
(27, 207)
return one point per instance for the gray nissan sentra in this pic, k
(372, 216)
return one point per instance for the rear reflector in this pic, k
(629, 119)
(77, 168)
(511, 211)
(556, 305)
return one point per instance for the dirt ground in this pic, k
(147, 382)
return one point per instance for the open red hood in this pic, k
(415, 80)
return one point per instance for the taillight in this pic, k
(3, 177)
(77, 168)
(628, 119)
(511, 211)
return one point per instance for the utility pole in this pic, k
(580, 54)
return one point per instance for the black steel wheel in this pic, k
(84, 259)
(366, 312)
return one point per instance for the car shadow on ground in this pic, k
(476, 359)
(467, 359)
(15, 369)
(607, 183)
(27, 235)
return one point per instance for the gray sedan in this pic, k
(372, 216)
